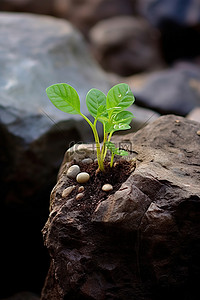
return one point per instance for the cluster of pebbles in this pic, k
(74, 172)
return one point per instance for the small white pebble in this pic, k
(87, 161)
(66, 192)
(198, 132)
(73, 171)
(81, 189)
(79, 196)
(82, 177)
(107, 187)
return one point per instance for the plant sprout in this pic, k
(115, 151)
(110, 110)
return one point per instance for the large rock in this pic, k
(179, 42)
(35, 51)
(90, 12)
(83, 14)
(173, 90)
(38, 7)
(182, 12)
(143, 240)
(179, 25)
(126, 45)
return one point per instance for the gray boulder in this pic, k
(38, 7)
(142, 241)
(174, 90)
(82, 14)
(182, 11)
(178, 22)
(86, 15)
(126, 45)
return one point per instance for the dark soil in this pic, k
(93, 193)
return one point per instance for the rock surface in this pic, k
(126, 45)
(174, 90)
(182, 12)
(90, 12)
(178, 23)
(82, 14)
(141, 242)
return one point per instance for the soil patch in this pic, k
(93, 193)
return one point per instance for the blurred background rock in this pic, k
(172, 28)
(153, 45)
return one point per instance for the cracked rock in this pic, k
(143, 240)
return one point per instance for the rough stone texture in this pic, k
(35, 51)
(143, 241)
(175, 90)
(126, 45)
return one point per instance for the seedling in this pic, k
(110, 110)
(115, 151)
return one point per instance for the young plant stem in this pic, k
(96, 137)
(112, 159)
(104, 148)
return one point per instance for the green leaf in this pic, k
(119, 97)
(121, 152)
(110, 127)
(96, 102)
(115, 150)
(64, 97)
(102, 114)
(123, 117)
(111, 146)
